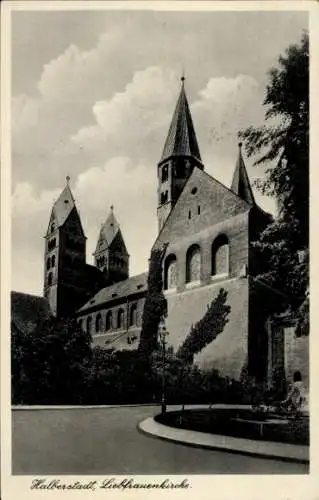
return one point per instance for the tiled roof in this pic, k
(121, 289)
(240, 184)
(181, 139)
(27, 310)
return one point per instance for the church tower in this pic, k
(111, 256)
(65, 244)
(180, 156)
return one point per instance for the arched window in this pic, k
(170, 272)
(193, 264)
(53, 261)
(109, 321)
(98, 323)
(164, 197)
(89, 324)
(48, 263)
(52, 227)
(220, 256)
(120, 318)
(50, 279)
(133, 315)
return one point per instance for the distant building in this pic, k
(208, 229)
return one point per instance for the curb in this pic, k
(227, 444)
(79, 407)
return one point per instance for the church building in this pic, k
(208, 229)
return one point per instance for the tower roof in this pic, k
(108, 231)
(181, 139)
(63, 205)
(240, 184)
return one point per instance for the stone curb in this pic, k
(262, 449)
(78, 407)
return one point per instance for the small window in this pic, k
(53, 261)
(48, 263)
(52, 227)
(164, 197)
(98, 323)
(198, 210)
(120, 319)
(50, 277)
(109, 321)
(133, 315)
(194, 190)
(89, 324)
(164, 173)
(189, 214)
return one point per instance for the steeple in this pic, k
(240, 184)
(181, 139)
(179, 158)
(108, 231)
(62, 207)
(111, 255)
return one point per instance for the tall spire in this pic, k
(181, 139)
(240, 184)
(108, 231)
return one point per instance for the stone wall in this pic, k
(228, 352)
(296, 355)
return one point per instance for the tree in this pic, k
(206, 329)
(54, 360)
(155, 306)
(285, 140)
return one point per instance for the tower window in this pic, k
(50, 277)
(194, 190)
(164, 173)
(179, 169)
(52, 227)
(48, 263)
(53, 261)
(164, 197)
(189, 214)
(198, 210)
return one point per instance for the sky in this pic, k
(93, 93)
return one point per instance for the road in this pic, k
(106, 441)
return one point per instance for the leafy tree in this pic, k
(207, 328)
(285, 139)
(155, 306)
(54, 360)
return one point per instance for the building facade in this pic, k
(208, 229)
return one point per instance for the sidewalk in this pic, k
(265, 449)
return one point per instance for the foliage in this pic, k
(49, 365)
(155, 306)
(119, 377)
(207, 328)
(285, 140)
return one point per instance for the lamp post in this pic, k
(162, 333)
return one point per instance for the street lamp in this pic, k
(162, 333)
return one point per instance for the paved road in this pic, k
(106, 441)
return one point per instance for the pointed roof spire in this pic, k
(63, 206)
(108, 231)
(240, 184)
(181, 139)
